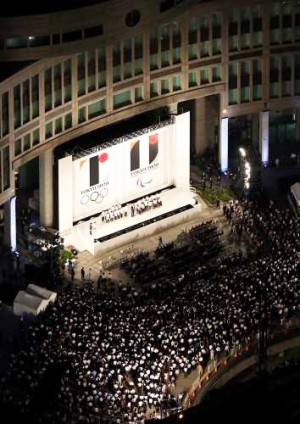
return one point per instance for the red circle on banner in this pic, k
(103, 157)
(153, 139)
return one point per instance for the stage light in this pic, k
(242, 152)
(180, 416)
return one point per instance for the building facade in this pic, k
(87, 68)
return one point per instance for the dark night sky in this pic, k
(33, 7)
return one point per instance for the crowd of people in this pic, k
(118, 211)
(115, 212)
(118, 357)
(145, 204)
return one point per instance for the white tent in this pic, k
(26, 303)
(35, 290)
(295, 191)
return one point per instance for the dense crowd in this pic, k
(117, 357)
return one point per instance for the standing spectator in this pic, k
(82, 272)
(72, 274)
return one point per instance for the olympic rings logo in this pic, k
(95, 196)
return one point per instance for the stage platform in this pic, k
(177, 206)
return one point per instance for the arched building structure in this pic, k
(84, 69)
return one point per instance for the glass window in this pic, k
(35, 96)
(25, 101)
(91, 71)
(165, 59)
(204, 29)
(68, 121)
(256, 67)
(138, 54)
(297, 24)
(122, 99)
(6, 168)
(58, 126)
(138, 94)
(138, 46)
(257, 92)
(42, 40)
(176, 43)
(57, 85)
(48, 89)
(216, 73)
(127, 51)
(101, 67)
(257, 26)
(204, 76)
(176, 83)
(193, 79)
(164, 38)
(232, 77)
(116, 61)
(81, 74)
(15, 43)
(216, 46)
(274, 69)
(26, 142)
(18, 146)
(127, 58)
(245, 94)
(93, 31)
(245, 73)
(55, 38)
(5, 114)
(233, 43)
(71, 36)
(67, 81)
(245, 41)
(193, 39)
(204, 48)
(17, 106)
(96, 109)
(274, 89)
(0, 171)
(81, 115)
(232, 96)
(165, 86)
(153, 89)
(153, 49)
(48, 130)
(127, 70)
(216, 33)
(297, 74)
(35, 137)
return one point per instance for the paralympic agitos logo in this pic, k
(144, 181)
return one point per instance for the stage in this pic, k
(98, 237)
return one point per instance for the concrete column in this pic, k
(46, 188)
(173, 108)
(223, 144)
(297, 134)
(206, 112)
(10, 224)
(255, 130)
(264, 136)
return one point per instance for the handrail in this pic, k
(217, 367)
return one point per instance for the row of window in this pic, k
(91, 73)
(245, 23)
(85, 113)
(51, 40)
(4, 169)
(245, 78)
